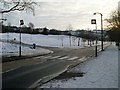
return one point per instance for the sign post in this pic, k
(21, 23)
(93, 21)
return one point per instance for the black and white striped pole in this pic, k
(21, 23)
(93, 21)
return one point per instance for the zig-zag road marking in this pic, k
(73, 58)
(65, 57)
(82, 59)
(55, 57)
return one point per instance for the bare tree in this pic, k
(17, 5)
(114, 26)
(114, 20)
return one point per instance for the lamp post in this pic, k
(101, 30)
(21, 23)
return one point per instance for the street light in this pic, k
(101, 29)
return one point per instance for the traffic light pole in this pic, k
(21, 23)
(93, 21)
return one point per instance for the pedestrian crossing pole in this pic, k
(21, 23)
(96, 41)
(93, 21)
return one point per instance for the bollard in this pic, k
(96, 51)
(19, 51)
(34, 46)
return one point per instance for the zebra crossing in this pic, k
(65, 57)
(73, 58)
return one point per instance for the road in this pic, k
(27, 73)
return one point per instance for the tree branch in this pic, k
(20, 6)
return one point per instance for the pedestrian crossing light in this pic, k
(93, 21)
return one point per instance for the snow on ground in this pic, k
(43, 40)
(13, 49)
(39, 39)
(100, 72)
(46, 40)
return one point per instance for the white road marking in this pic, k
(64, 57)
(82, 59)
(47, 57)
(55, 57)
(40, 62)
(73, 58)
(37, 57)
(9, 70)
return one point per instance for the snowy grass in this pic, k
(44, 40)
(41, 40)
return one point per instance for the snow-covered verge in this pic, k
(100, 72)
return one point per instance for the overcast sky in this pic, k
(59, 14)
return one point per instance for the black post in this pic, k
(96, 42)
(101, 30)
(101, 33)
(96, 51)
(21, 23)
(20, 44)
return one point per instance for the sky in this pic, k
(60, 14)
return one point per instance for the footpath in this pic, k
(99, 72)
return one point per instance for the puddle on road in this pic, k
(68, 75)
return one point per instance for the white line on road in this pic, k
(64, 57)
(55, 57)
(73, 58)
(82, 59)
(9, 70)
(37, 57)
(46, 57)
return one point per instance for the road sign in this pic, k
(93, 21)
(21, 22)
